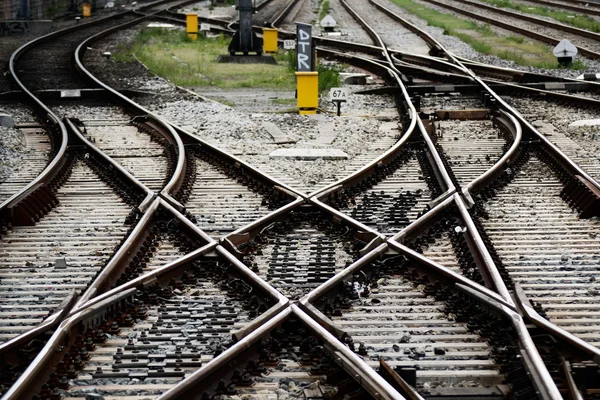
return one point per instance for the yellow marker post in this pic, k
(86, 10)
(191, 27)
(308, 92)
(270, 36)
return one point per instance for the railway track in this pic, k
(550, 32)
(390, 268)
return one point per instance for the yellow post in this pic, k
(191, 26)
(308, 92)
(270, 36)
(86, 10)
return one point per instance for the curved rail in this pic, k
(172, 128)
(283, 13)
(512, 125)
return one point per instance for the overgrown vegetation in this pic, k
(173, 56)
(329, 75)
(325, 7)
(484, 40)
(577, 20)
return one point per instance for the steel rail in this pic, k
(108, 275)
(420, 224)
(487, 267)
(148, 277)
(540, 377)
(163, 126)
(555, 330)
(283, 13)
(29, 383)
(525, 32)
(536, 20)
(562, 158)
(512, 125)
(533, 363)
(108, 160)
(186, 388)
(50, 322)
(173, 128)
(280, 301)
(435, 46)
(573, 391)
(443, 176)
(366, 376)
(56, 163)
(128, 249)
(389, 154)
(587, 10)
(439, 269)
(343, 356)
(236, 237)
(377, 386)
(338, 215)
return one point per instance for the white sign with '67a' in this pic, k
(338, 94)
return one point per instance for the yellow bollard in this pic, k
(191, 26)
(270, 36)
(86, 10)
(308, 92)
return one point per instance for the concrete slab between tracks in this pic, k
(310, 154)
(586, 122)
(278, 136)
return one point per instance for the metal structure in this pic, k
(245, 40)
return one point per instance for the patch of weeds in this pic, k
(185, 62)
(483, 38)
(580, 21)
(325, 8)
(329, 77)
(576, 65)
(485, 30)
(516, 39)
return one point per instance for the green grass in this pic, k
(577, 20)
(484, 40)
(173, 56)
(329, 77)
(325, 7)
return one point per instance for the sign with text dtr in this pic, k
(304, 50)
